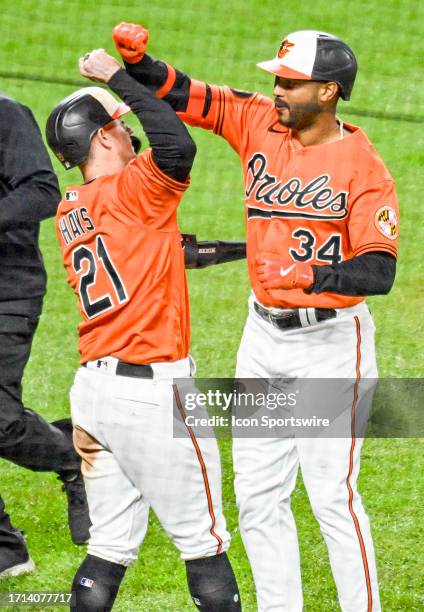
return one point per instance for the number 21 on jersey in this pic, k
(101, 257)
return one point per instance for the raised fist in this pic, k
(98, 66)
(131, 41)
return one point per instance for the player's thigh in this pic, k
(177, 473)
(118, 512)
(186, 496)
(330, 455)
(265, 470)
(339, 348)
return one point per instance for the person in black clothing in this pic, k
(28, 194)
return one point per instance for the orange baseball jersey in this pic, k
(122, 252)
(320, 204)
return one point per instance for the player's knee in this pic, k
(251, 512)
(96, 585)
(330, 510)
(212, 584)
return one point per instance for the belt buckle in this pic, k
(281, 321)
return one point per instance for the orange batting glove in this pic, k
(278, 272)
(131, 41)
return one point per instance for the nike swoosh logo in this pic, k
(284, 272)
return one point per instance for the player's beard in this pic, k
(298, 116)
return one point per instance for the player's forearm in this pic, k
(368, 274)
(192, 100)
(172, 146)
(210, 253)
(163, 80)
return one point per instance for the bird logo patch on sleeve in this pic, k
(386, 222)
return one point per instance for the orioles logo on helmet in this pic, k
(284, 48)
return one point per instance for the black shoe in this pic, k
(78, 516)
(14, 557)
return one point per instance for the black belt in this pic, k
(131, 370)
(291, 319)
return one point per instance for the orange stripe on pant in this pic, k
(352, 449)
(204, 471)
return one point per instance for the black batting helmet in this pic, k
(315, 56)
(75, 120)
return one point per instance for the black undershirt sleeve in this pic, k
(369, 274)
(153, 73)
(173, 148)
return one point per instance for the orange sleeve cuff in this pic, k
(169, 83)
(196, 100)
(376, 246)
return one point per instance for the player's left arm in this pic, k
(372, 273)
(173, 149)
(219, 108)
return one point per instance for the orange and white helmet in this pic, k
(315, 56)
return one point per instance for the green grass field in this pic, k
(220, 42)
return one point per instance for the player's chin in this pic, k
(284, 116)
(128, 155)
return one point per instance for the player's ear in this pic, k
(103, 138)
(328, 93)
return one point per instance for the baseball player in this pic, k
(322, 227)
(122, 251)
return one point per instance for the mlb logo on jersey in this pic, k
(71, 196)
(87, 582)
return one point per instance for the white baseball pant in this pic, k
(123, 430)
(266, 468)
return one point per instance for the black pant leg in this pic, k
(5, 523)
(12, 546)
(25, 437)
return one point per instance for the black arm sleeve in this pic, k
(29, 190)
(172, 146)
(210, 253)
(153, 74)
(369, 274)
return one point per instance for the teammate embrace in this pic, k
(322, 225)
